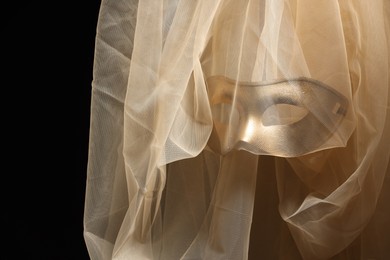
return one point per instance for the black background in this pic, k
(47, 58)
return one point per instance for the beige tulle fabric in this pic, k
(240, 129)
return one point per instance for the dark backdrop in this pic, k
(47, 59)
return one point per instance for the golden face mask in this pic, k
(283, 118)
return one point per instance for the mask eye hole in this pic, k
(224, 113)
(283, 114)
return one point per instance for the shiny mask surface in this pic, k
(282, 118)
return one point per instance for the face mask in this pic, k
(283, 118)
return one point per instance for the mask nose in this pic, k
(282, 118)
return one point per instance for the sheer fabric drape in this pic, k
(240, 129)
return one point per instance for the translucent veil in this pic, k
(240, 129)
